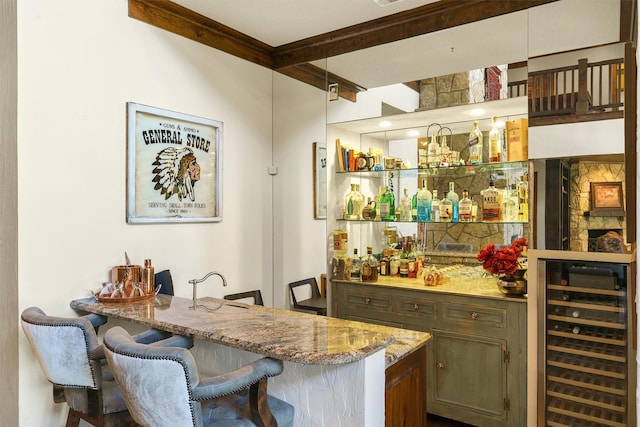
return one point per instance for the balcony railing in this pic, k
(579, 89)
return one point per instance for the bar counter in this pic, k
(281, 334)
(335, 369)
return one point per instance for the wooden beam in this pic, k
(628, 20)
(630, 140)
(319, 78)
(426, 19)
(182, 21)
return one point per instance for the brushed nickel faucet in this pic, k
(195, 282)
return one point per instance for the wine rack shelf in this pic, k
(588, 359)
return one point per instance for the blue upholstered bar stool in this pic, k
(72, 359)
(162, 388)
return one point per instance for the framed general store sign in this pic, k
(174, 169)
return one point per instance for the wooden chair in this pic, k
(255, 295)
(162, 387)
(316, 303)
(72, 359)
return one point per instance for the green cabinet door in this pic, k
(468, 373)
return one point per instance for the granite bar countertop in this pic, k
(281, 334)
(459, 280)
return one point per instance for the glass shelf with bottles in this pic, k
(453, 170)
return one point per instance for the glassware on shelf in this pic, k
(510, 204)
(387, 206)
(446, 154)
(523, 199)
(340, 242)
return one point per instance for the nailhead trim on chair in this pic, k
(84, 330)
(191, 398)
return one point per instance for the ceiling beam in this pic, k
(321, 79)
(426, 19)
(187, 23)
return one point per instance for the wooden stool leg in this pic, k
(72, 419)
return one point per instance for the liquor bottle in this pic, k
(495, 143)
(523, 199)
(453, 196)
(381, 190)
(355, 266)
(475, 145)
(491, 204)
(369, 267)
(414, 206)
(446, 208)
(445, 153)
(350, 203)
(359, 202)
(465, 205)
(385, 264)
(433, 152)
(387, 206)
(510, 204)
(369, 210)
(394, 264)
(340, 242)
(435, 207)
(405, 203)
(423, 202)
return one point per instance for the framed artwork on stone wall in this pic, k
(606, 199)
(174, 166)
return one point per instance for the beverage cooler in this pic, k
(586, 340)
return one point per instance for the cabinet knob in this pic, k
(367, 300)
(440, 365)
(474, 315)
(415, 307)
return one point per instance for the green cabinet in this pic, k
(476, 360)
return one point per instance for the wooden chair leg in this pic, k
(260, 412)
(73, 420)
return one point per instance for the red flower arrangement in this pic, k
(500, 261)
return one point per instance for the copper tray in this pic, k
(127, 299)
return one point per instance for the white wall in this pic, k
(299, 120)
(79, 62)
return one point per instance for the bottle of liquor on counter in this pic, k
(369, 267)
(523, 199)
(340, 242)
(424, 198)
(414, 206)
(394, 264)
(453, 196)
(385, 264)
(433, 152)
(495, 143)
(465, 207)
(475, 145)
(435, 207)
(405, 203)
(491, 204)
(446, 208)
(355, 266)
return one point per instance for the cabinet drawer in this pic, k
(368, 300)
(424, 308)
(475, 314)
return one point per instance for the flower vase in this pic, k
(513, 284)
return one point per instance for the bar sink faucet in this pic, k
(195, 282)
